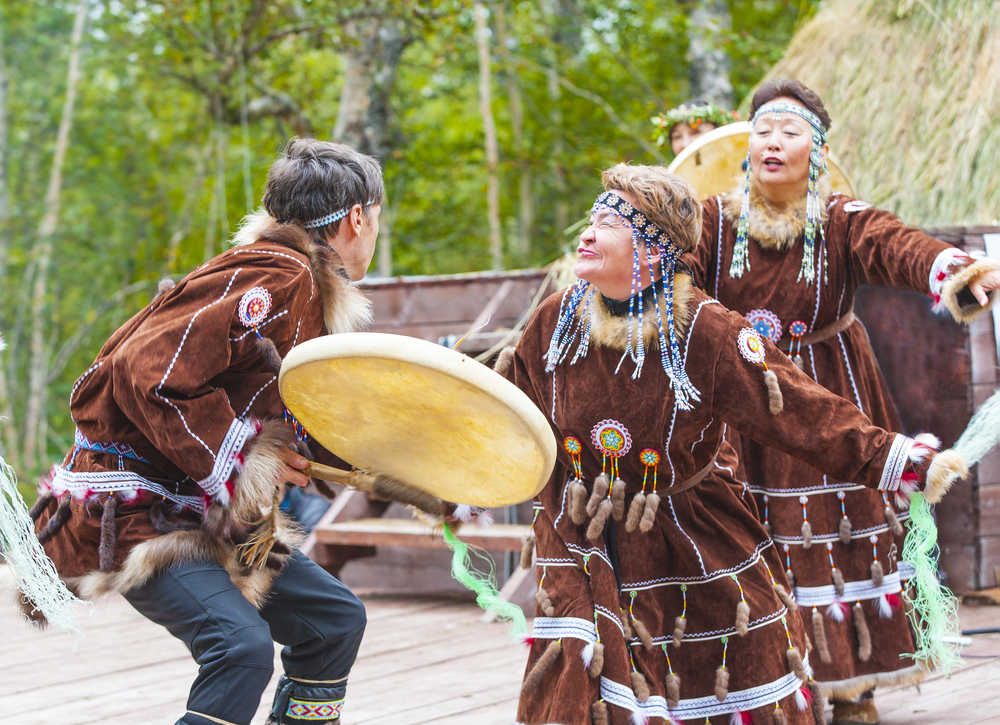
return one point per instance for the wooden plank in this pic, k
(412, 533)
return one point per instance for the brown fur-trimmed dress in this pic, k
(864, 245)
(701, 582)
(179, 423)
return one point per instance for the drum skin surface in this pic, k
(422, 413)
(713, 163)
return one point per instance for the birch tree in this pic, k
(490, 133)
(709, 22)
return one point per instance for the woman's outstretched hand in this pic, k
(984, 285)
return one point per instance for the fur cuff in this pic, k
(946, 468)
(261, 474)
(958, 299)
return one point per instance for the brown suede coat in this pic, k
(180, 386)
(864, 245)
(706, 543)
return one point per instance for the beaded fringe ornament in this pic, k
(568, 327)
(817, 166)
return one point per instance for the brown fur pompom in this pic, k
(626, 629)
(269, 351)
(797, 361)
(545, 602)
(643, 634)
(618, 499)
(639, 686)
(838, 581)
(577, 501)
(542, 665)
(775, 402)
(673, 688)
(818, 703)
(649, 512)
(795, 663)
(791, 578)
(40, 505)
(680, 624)
(165, 285)
(878, 574)
(721, 683)
(596, 528)
(845, 530)
(599, 713)
(767, 528)
(504, 360)
(779, 716)
(894, 523)
(742, 618)
(597, 662)
(807, 534)
(109, 534)
(864, 636)
(635, 510)
(527, 550)
(819, 635)
(58, 520)
(785, 598)
(598, 494)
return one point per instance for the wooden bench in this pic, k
(413, 533)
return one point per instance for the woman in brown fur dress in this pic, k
(788, 253)
(661, 597)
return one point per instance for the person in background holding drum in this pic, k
(181, 443)
(661, 597)
(787, 252)
(682, 125)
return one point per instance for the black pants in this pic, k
(317, 618)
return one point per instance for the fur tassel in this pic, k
(109, 534)
(893, 521)
(596, 528)
(577, 501)
(884, 607)
(838, 581)
(845, 531)
(545, 602)
(837, 611)
(767, 528)
(721, 684)
(618, 499)
(269, 351)
(779, 716)
(795, 662)
(596, 665)
(639, 686)
(790, 575)
(58, 520)
(165, 285)
(544, 663)
(807, 534)
(649, 512)
(527, 550)
(587, 655)
(797, 360)
(680, 624)
(627, 630)
(878, 575)
(41, 503)
(599, 713)
(673, 690)
(742, 618)
(635, 511)
(643, 634)
(819, 636)
(946, 468)
(785, 598)
(504, 360)
(599, 493)
(817, 703)
(864, 636)
(775, 402)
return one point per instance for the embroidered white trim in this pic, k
(817, 490)
(941, 263)
(850, 372)
(559, 627)
(899, 454)
(238, 433)
(79, 483)
(856, 534)
(720, 633)
(822, 596)
(677, 581)
(906, 570)
(82, 378)
(702, 707)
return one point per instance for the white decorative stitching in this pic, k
(942, 262)
(246, 410)
(850, 371)
(83, 377)
(559, 627)
(78, 483)
(312, 286)
(853, 591)
(718, 574)
(267, 322)
(856, 534)
(895, 462)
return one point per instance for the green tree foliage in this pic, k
(183, 104)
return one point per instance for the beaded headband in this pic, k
(817, 165)
(332, 217)
(566, 331)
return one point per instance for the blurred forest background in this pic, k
(134, 135)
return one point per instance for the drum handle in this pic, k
(334, 475)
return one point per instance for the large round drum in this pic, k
(427, 415)
(713, 163)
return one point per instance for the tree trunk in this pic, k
(490, 131)
(708, 21)
(182, 226)
(520, 147)
(555, 116)
(6, 407)
(33, 420)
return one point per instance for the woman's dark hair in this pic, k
(790, 88)
(314, 178)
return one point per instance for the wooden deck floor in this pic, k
(422, 661)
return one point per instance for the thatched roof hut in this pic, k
(913, 87)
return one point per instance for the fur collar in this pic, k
(774, 228)
(345, 307)
(611, 331)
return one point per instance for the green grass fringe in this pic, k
(934, 615)
(487, 596)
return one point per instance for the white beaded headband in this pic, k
(331, 218)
